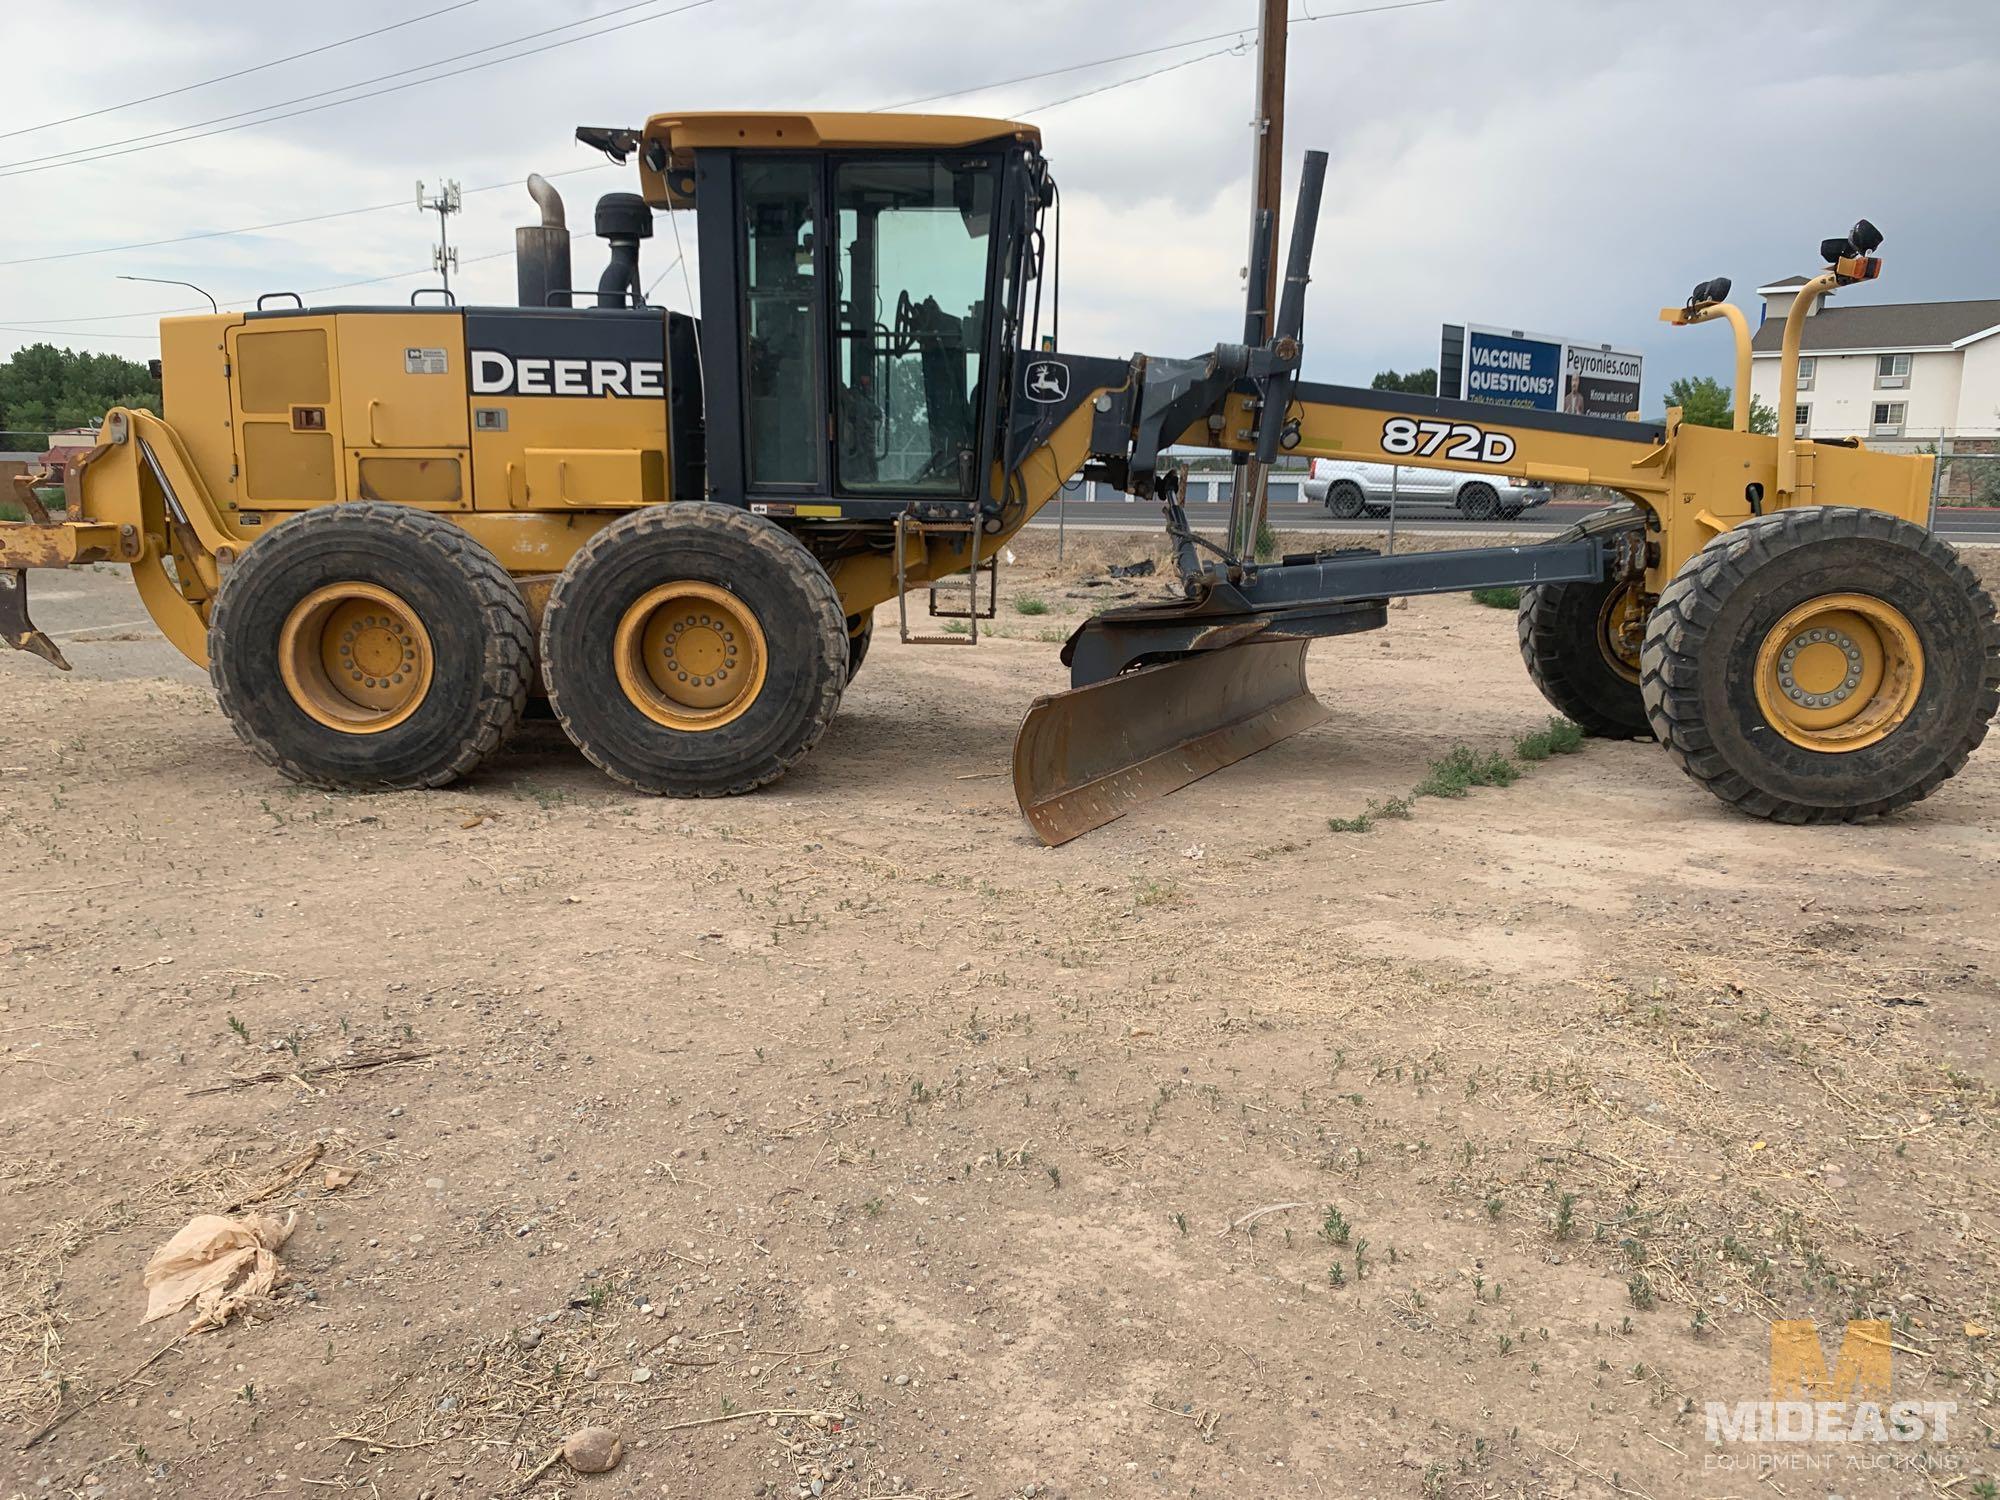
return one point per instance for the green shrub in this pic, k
(1557, 737)
(1030, 604)
(1507, 598)
(1462, 768)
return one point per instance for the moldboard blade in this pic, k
(1093, 754)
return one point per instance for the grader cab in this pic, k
(383, 529)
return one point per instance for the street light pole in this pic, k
(169, 281)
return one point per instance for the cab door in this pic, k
(403, 391)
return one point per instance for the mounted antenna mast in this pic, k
(1267, 163)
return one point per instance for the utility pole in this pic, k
(447, 202)
(1267, 164)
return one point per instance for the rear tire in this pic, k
(1822, 665)
(370, 646)
(694, 650)
(1346, 501)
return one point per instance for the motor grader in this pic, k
(383, 529)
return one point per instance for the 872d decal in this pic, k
(1460, 440)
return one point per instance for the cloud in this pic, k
(1563, 165)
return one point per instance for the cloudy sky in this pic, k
(1566, 166)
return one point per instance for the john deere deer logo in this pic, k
(1048, 380)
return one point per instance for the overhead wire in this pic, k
(680, 259)
(291, 57)
(905, 104)
(132, 145)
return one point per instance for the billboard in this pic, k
(1507, 367)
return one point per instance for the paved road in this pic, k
(1966, 526)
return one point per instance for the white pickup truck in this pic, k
(1357, 489)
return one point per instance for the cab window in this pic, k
(911, 261)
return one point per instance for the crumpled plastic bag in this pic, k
(221, 1265)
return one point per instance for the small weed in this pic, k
(872, 1207)
(1030, 604)
(1462, 768)
(1055, 1177)
(1334, 1228)
(1493, 1208)
(242, 1031)
(1557, 737)
(1336, 1274)
(598, 1295)
(956, 627)
(1365, 820)
(1641, 1290)
(1180, 1223)
(1565, 1224)
(1500, 598)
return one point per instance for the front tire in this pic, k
(1822, 665)
(1580, 645)
(860, 633)
(694, 650)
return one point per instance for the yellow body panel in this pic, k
(195, 387)
(285, 402)
(402, 379)
(508, 476)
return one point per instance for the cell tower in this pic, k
(447, 202)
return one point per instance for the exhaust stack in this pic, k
(541, 251)
(623, 219)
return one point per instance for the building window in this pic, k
(1892, 371)
(1888, 419)
(1804, 422)
(1806, 373)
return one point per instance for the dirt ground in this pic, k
(843, 1141)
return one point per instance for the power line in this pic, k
(341, 213)
(1040, 109)
(235, 298)
(905, 104)
(188, 88)
(1136, 78)
(1193, 41)
(132, 145)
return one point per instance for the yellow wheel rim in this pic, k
(1621, 626)
(355, 658)
(690, 655)
(1839, 672)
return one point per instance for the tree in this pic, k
(1706, 402)
(1415, 383)
(43, 388)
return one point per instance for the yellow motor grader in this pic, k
(382, 529)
